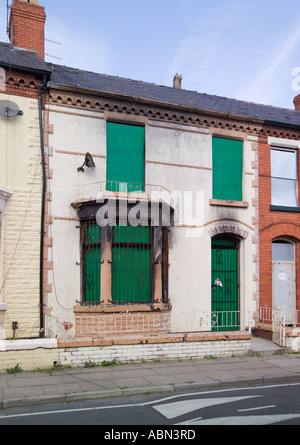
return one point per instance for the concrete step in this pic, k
(265, 348)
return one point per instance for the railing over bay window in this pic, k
(105, 189)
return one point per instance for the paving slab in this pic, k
(33, 388)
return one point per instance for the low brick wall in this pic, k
(76, 353)
(33, 354)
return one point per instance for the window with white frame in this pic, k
(284, 177)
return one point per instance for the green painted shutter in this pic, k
(92, 272)
(125, 157)
(225, 299)
(227, 169)
(131, 268)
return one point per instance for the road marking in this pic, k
(172, 410)
(258, 408)
(178, 396)
(246, 420)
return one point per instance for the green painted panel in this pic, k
(227, 169)
(125, 158)
(130, 234)
(92, 253)
(225, 299)
(131, 268)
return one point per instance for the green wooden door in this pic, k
(125, 158)
(131, 265)
(225, 285)
(92, 263)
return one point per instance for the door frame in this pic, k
(294, 277)
(238, 244)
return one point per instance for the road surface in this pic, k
(258, 405)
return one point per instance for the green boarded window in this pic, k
(227, 169)
(131, 265)
(125, 158)
(92, 263)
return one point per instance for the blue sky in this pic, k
(234, 48)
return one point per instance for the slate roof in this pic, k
(21, 59)
(62, 75)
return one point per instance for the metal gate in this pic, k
(225, 284)
(279, 325)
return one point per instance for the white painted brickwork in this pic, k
(21, 175)
(129, 353)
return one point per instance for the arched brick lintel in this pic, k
(286, 230)
(229, 228)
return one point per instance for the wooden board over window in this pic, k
(227, 169)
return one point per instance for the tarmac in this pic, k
(266, 364)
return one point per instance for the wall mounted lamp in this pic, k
(88, 162)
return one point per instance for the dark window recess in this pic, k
(165, 266)
(133, 266)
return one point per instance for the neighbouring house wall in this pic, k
(21, 175)
(274, 224)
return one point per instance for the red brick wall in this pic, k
(273, 224)
(27, 26)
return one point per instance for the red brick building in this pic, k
(279, 224)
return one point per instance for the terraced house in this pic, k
(155, 203)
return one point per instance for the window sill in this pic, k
(3, 307)
(284, 209)
(225, 203)
(143, 307)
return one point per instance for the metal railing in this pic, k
(226, 321)
(105, 189)
(291, 316)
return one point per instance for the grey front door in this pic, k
(284, 286)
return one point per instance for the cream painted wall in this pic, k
(190, 257)
(72, 134)
(21, 175)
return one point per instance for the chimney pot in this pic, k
(177, 81)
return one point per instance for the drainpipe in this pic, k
(41, 86)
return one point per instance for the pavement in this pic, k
(266, 364)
